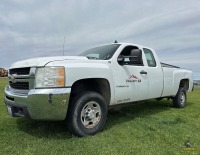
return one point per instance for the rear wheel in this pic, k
(87, 114)
(179, 100)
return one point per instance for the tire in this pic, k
(179, 100)
(87, 114)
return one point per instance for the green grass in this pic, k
(152, 127)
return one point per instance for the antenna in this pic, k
(64, 46)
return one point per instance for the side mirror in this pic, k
(136, 57)
(120, 59)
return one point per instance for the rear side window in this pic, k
(150, 58)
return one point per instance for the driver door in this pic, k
(131, 82)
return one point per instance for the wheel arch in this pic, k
(185, 84)
(98, 85)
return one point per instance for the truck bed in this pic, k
(168, 65)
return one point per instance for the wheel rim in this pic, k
(182, 99)
(91, 114)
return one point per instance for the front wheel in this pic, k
(87, 114)
(179, 100)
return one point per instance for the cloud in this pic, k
(37, 28)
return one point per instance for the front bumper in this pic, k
(38, 104)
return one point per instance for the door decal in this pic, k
(133, 78)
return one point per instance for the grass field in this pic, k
(152, 127)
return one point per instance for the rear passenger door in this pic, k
(155, 74)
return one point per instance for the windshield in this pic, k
(102, 53)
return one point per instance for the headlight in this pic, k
(50, 77)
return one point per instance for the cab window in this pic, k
(150, 58)
(131, 56)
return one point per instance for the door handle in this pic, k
(143, 72)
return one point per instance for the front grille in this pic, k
(20, 71)
(19, 85)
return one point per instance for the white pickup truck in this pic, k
(79, 89)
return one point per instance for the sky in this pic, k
(35, 28)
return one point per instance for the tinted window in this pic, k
(150, 58)
(103, 52)
(128, 54)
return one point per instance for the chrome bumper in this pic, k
(39, 104)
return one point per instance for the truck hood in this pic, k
(42, 61)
